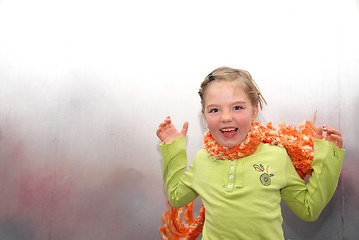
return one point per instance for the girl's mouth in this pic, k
(229, 132)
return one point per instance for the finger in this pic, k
(167, 120)
(334, 131)
(162, 125)
(184, 129)
(336, 139)
(160, 129)
(158, 132)
(319, 134)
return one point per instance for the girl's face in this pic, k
(228, 112)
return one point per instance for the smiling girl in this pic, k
(241, 178)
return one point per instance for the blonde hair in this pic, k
(247, 84)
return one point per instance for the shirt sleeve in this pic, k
(174, 157)
(308, 200)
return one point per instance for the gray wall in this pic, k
(84, 85)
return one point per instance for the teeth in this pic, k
(228, 129)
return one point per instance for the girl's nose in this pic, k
(226, 117)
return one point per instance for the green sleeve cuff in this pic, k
(174, 158)
(327, 151)
(171, 150)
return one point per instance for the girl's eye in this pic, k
(237, 108)
(213, 110)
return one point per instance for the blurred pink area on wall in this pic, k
(69, 199)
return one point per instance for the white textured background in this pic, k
(84, 85)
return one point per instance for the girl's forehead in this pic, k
(225, 90)
(228, 86)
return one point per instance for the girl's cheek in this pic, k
(244, 118)
(211, 122)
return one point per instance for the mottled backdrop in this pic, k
(84, 85)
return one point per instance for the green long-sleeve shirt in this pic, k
(242, 197)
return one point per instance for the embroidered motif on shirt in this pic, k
(265, 177)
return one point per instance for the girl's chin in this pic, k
(230, 144)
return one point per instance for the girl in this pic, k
(240, 178)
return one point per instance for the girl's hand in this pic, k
(167, 132)
(332, 135)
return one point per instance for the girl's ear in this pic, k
(255, 112)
